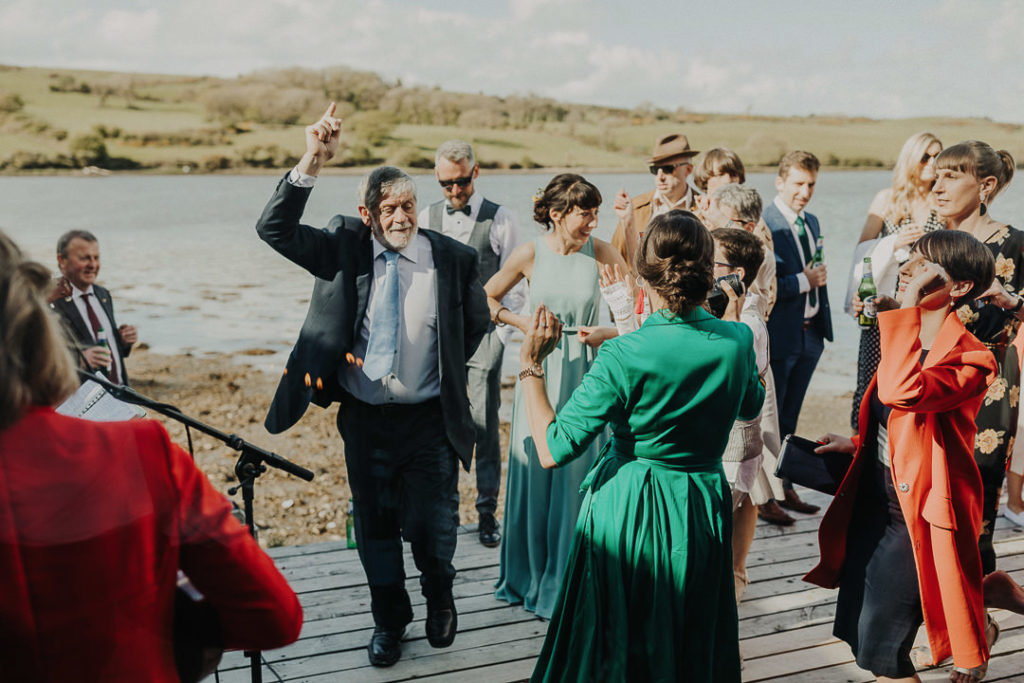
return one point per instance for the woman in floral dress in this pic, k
(969, 175)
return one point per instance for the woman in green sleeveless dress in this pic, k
(648, 595)
(562, 270)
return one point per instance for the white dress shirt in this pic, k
(805, 285)
(77, 297)
(415, 376)
(505, 237)
(660, 204)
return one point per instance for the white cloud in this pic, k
(921, 60)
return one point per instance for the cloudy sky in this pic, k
(870, 57)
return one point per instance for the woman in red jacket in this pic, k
(97, 518)
(901, 536)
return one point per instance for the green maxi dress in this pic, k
(648, 594)
(541, 505)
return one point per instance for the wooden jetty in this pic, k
(785, 624)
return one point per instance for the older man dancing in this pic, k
(395, 314)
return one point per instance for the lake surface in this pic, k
(185, 265)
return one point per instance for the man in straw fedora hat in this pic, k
(670, 164)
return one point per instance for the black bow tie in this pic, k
(451, 209)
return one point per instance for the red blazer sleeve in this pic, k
(256, 606)
(903, 383)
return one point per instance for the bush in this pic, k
(89, 149)
(267, 156)
(10, 102)
(215, 162)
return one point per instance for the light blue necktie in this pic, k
(380, 350)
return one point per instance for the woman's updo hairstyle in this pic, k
(676, 259)
(978, 159)
(565, 192)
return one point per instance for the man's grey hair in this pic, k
(65, 240)
(455, 151)
(381, 182)
(744, 201)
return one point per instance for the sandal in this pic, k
(976, 674)
(921, 656)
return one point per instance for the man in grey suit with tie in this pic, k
(465, 215)
(395, 314)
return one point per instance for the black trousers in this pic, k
(404, 479)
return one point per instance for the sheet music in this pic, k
(92, 402)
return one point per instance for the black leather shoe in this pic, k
(442, 623)
(490, 532)
(385, 646)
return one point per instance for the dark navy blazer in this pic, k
(785, 324)
(340, 256)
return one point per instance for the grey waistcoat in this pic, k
(479, 239)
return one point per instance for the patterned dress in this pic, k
(997, 419)
(869, 352)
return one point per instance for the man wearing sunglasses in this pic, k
(670, 164)
(491, 229)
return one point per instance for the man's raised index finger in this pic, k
(330, 110)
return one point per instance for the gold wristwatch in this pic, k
(535, 370)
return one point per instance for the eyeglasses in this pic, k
(667, 169)
(926, 158)
(461, 182)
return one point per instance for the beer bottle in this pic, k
(350, 526)
(101, 339)
(819, 253)
(867, 292)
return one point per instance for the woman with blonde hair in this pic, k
(897, 217)
(97, 518)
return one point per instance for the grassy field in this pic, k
(169, 108)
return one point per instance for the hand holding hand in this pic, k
(816, 275)
(542, 337)
(907, 235)
(129, 335)
(593, 335)
(833, 443)
(322, 137)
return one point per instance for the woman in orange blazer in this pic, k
(901, 536)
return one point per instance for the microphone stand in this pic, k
(252, 462)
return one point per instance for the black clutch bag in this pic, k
(819, 471)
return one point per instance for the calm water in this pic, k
(185, 265)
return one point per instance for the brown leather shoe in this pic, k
(773, 514)
(793, 502)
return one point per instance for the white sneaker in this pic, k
(1016, 517)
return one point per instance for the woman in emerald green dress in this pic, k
(648, 594)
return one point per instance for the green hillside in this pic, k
(54, 120)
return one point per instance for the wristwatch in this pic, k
(535, 370)
(1020, 305)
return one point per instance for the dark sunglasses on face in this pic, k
(665, 168)
(461, 182)
(927, 157)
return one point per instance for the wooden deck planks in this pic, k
(785, 624)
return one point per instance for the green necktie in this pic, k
(805, 245)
